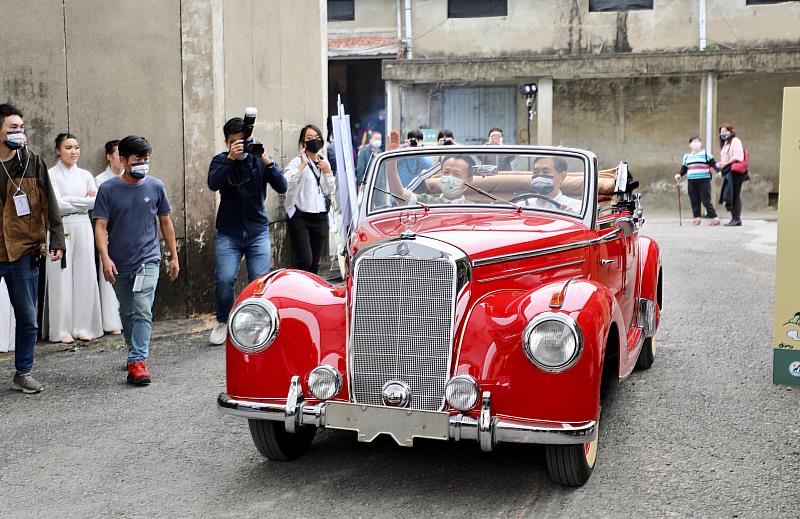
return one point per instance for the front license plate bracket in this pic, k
(371, 421)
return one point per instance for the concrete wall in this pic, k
(173, 72)
(752, 104)
(567, 27)
(372, 17)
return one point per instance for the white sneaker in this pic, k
(219, 334)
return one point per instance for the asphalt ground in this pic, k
(704, 433)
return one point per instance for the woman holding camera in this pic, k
(311, 181)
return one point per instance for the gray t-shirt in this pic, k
(131, 212)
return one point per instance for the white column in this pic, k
(390, 124)
(544, 112)
(708, 110)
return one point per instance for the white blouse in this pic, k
(304, 193)
(106, 175)
(71, 186)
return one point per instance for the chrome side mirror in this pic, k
(625, 225)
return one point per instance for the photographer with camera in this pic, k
(409, 168)
(502, 162)
(446, 138)
(241, 176)
(311, 183)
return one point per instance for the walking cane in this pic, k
(678, 196)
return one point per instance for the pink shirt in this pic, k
(733, 150)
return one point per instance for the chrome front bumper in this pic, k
(488, 430)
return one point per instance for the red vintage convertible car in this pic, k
(490, 292)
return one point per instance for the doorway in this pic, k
(363, 93)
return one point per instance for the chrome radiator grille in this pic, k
(402, 321)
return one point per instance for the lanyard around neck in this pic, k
(24, 170)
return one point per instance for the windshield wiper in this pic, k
(496, 198)
(398, 197)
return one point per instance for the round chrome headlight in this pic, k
(552, 341)
(253, 325)
(462, 392)
(324, 382)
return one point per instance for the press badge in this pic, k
(138, 281)
(22, 205)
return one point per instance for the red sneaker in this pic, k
(138, 374)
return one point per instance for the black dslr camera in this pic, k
(251, 145)
(412, 142)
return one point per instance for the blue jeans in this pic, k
(22, 280)
(230, 249)
(136, 309)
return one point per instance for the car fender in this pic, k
(650, 265)
(491, 351)
(312, 331)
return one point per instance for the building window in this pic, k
(598, 6)
(476, 8)
(759, 2)
(341, 10)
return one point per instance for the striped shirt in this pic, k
(695, 165)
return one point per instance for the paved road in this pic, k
(703, 433)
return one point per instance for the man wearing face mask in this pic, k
(125, 212)
(242, 225)
(28, 209)
(548, 175)
(365, 155)
(456, 170)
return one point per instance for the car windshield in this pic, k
(549, 182)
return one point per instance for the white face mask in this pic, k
(696, 146)
(377, 144)
(451, 186)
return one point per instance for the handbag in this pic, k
(742, 167)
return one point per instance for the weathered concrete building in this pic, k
(172, 71)
(630, 80)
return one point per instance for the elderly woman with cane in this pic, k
(697, 166)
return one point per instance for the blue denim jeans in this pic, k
(230, 249)
(136, 309)
(22, 280)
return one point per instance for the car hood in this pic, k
(480, 234)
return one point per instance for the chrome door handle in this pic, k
(604, 262)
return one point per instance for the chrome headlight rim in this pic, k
(271, 310)
(338, 383)
(469, 380)
(570, 323)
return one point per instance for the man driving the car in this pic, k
(548, 175)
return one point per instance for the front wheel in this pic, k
(273, 442)
(647, 355)
(571, 465)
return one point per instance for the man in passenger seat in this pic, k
(548, 175)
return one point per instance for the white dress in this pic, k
(108, 299)
(6, 319)
(73, 295)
